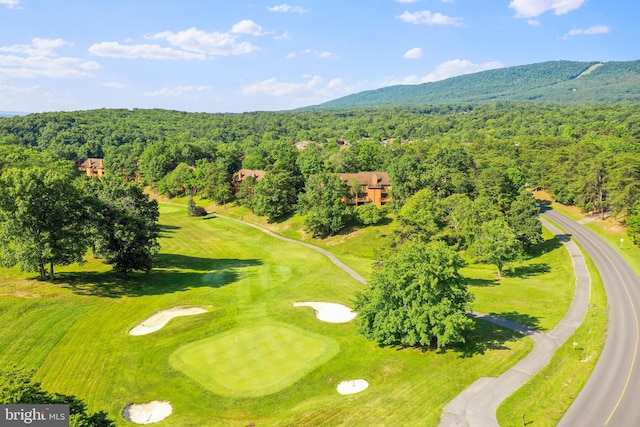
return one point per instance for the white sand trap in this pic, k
(157, 321)
(352, 386)
(147, 413)
(329, 312)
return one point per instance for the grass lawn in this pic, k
(73, 333)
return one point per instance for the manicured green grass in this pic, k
(254, 360)
(535, 292)
(73, 333)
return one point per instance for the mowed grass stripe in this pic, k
(253, 361)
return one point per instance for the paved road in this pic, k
(611, 395)
(477, 405)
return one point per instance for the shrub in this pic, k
(199, 211)
(368, 214)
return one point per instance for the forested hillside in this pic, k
(548, 82)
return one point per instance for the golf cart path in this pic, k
(325, 252)
(477, 405)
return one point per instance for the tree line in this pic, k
(50, 216)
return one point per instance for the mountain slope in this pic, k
(552, 82)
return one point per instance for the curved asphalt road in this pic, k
(611, 396)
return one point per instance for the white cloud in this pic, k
(414, 53)
(428, 17)
(177, 91)
(315, 87)
(37, 47)
(456, 67)
(214, 43)
(312, 52)
(596, 29)
(533, 8)
(11, 4)
(283, 36)
(188, 44)
(145, 51)
(114, 85)
(17, 90)
(247, 26)
(533, 22)
(285, 8)
(40, 59)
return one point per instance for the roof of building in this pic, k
(368, 179)
(90, 163)
(244, 173)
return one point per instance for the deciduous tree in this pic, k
(416, 297)
(42, 218)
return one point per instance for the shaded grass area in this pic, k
(248, 279)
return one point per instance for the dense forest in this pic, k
(586, 155)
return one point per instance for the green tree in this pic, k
(623, 186)
(421, 217)
(42, 218)
(16, 386)
(496, 243)
(191, 206)
(368, 214)
(275, 195)
(633, 223)
(125, 225)
(324, 205)
(416, 297)
(218, 184)
(246, 192)
(523, 219)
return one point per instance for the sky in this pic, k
(240, 55)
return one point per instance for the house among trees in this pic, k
(91, 166)
(368, 187)
(243, 174)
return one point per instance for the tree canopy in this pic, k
(416, 297)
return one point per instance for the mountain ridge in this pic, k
(550, 82)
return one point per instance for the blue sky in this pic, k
(236, 56)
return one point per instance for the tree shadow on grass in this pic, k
(168, 276)
(481, 283)
(530, 270)
(546, 246)
(485, 337)
(166, 230)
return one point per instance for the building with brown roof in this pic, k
(91, 166)
(243, 174)
(369, 187)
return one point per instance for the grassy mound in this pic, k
(253, 361)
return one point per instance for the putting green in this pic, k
(253, 361)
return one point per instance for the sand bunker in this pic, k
(158, 320)
(352, 386)
(329, 312)
(147, 413)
